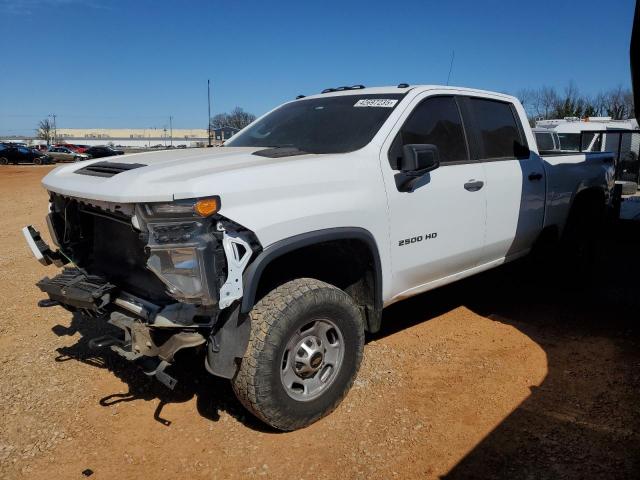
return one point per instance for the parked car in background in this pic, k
(103, 151)
(74, 147)
(11, 153)
(65, 154)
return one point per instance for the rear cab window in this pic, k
(498, 129)
(544, 141)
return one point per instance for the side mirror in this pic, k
(419, 158)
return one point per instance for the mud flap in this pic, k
(228, 344)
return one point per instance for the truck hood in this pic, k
(273, 197)
(164, 175)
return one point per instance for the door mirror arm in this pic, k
(417, 160)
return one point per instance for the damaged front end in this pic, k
(167, 274)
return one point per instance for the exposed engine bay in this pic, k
(167, 274)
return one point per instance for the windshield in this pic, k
(335, 124)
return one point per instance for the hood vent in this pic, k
(107, 169)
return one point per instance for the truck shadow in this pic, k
(583, 421)
(213, 395)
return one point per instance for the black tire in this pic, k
(4, 161)
(275, 320)
(37, 161)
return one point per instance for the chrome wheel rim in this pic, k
(312, 359)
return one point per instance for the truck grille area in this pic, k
(119, 255)
(106, 245)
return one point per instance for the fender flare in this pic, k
(253, 273)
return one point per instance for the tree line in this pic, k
(547, 102)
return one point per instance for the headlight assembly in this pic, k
(200, 207)
(181, 247)
(181, 270)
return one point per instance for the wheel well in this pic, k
(347, 263)
(590, 196)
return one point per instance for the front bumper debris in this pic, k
(41, 250)
(74, 288)
(139, 346)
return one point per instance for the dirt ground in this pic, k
(516, 373)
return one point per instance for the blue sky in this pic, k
(98, 63)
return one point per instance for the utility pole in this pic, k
(55, 129)
(209, 103)
(171, 129)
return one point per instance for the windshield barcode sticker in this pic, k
(376, 102)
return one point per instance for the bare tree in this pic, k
(237, 118)
(45, 130)
(571, 104)
(547, 101)
(618, 103)
(527, 97)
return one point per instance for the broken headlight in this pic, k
(182, 270)
(181, 249)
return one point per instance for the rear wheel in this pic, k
(304, 352)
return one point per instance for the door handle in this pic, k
(474, 185)
(535, 176)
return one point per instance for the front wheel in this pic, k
(4, 161)
(304, 352)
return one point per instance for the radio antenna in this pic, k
(453, 56)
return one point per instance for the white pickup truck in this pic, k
(274, 254)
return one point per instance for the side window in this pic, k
(435, 121)
(544, 141)
(499, 131)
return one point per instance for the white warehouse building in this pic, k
(143, 137)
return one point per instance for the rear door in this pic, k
(437, 229)
(515, 183)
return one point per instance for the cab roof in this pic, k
(402, 89)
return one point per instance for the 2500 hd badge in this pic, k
(417, 239)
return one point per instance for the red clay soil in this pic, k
(517, 373)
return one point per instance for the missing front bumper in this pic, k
(139, 346)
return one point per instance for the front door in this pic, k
(436, 229)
